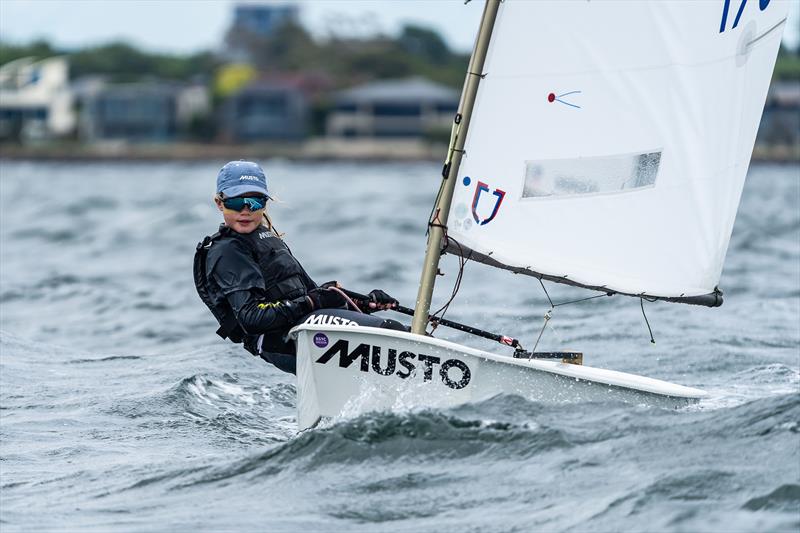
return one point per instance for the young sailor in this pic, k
(251, 282)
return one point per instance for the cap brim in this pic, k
(239, 190)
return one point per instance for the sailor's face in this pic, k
(244, 221)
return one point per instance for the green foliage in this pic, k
(123, 63)
(39, 49)
(119, 61)
(379, 64)
(787, 67)
(417, 51)
(424, 43)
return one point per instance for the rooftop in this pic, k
(414, 89)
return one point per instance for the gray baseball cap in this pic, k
(241, 177)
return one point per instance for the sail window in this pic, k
(590, 175)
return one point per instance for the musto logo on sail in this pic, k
(453, 373)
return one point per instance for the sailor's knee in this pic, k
(389, 323)
(284, 362)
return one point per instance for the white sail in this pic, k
(610, 140)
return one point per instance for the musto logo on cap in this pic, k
(321, 340)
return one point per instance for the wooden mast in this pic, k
(450, 174)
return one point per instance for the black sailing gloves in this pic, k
(378, 301)
(327, 297)
(324, 298)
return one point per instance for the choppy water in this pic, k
(121, 410)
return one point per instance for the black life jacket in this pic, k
(284, 277)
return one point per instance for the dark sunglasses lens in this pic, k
(237, 204)
(255, 203)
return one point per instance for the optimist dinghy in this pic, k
(354, 369)
(605, 145)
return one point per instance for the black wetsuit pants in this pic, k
(288, 361)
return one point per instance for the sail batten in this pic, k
(610, 152)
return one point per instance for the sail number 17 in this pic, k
(762, 5)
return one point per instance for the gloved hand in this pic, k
(329, 284)
(326, 299)
(379, 300)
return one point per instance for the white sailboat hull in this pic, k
(348, 370)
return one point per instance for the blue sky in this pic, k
(189, 25)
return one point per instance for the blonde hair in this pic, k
(266, 221)
(270, 226)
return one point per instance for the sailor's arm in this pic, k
(258, 316)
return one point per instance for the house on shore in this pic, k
(780, 123)
(265, 110)
(141, 112)
(408, 108)
(36, 102)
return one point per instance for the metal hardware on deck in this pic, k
(547, 317)
(575, 358)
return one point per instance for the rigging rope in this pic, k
(641, 302)
(462, 262)
(549, 314)
(349, 301)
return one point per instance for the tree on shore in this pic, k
(416, 51)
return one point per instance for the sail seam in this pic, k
(754, 41)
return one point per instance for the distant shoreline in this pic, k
(312, 150)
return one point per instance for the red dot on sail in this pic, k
(551, 97)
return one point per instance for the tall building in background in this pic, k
(252, 25)
(262, 20)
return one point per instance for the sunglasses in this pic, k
(254, 203)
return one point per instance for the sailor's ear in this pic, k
(219, 203)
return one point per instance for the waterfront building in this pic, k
(780, 123)
(36, 102)
(410, 108)
(141, 112)
(265, 110)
